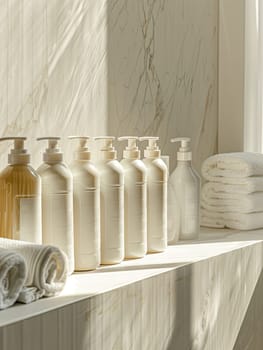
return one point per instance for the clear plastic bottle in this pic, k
(111, 203)
(20, 196)
(184, 196)
(57, 200)
(86, 200)
(156, 196)
(135, 200)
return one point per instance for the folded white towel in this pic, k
(231, 202)
(12, 277)
(206, 221)
(234, 165)
(46, 268)
(236, 221)
(231, 185)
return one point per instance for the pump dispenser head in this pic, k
(184, 151)
(52, 154)
(107, 150)
(152, 150)
(82, 152)
(131, 151)
(18, 154)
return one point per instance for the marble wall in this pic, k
(109, 66)
(162, 66)
(53, 69)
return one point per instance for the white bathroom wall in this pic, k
(121, 67)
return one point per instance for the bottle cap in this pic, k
(52, 154)
(82, 152)
(184, 152)
(107, 150)
(152, 150)
(131, 151)
(17, 155)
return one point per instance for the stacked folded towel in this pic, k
(233, 195)
(43, 268)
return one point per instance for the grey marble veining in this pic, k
(162, 67)
(99, 67)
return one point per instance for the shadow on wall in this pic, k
(209, 307)
(180, 337)
(196, 307)
(250, 336)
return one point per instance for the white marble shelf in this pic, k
(81, 286)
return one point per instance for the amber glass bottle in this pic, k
(20, 196)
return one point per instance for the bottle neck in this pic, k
(152, 153)
(82, 156)
(19, 164)
(184, 163)
(53, 162)
(52, 158)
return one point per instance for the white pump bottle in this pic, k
(86, 200)
(57, 200)
(20, 196)
(111, 203)
(135, 200)
(184, 196)
(157, 174)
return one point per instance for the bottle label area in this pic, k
(86, 221)
(57, 219)
(112, 223)
(29, 218)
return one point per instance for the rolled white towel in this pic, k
(232, 202)
(12, 277)
(238, 186)
(46, 268)
(238, 221)
(234, 165)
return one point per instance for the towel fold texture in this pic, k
(233, 195)
(231, 202)
(30, 294)
(234, 186)
(46, 268)
(238, 221)
(233, 165)
(12, 277)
